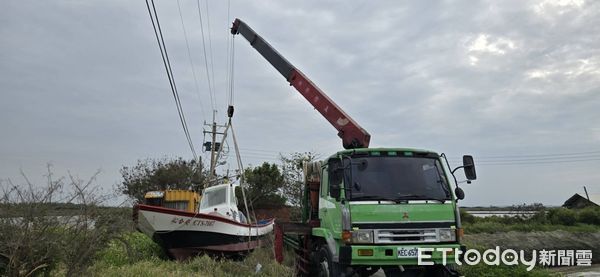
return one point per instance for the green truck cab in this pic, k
(374, 208)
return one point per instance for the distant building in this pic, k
(577, 201)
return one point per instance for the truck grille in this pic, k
(406, 236)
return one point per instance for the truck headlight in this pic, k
(362, 236)
(447, 234)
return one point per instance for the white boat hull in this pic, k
(184, 234)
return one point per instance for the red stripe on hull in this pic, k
(196, 215)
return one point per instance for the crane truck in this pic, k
(368, 209)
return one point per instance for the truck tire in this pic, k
(325, 264)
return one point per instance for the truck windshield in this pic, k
(398, 178)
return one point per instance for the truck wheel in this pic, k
(325, 264)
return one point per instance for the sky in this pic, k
(515, 83)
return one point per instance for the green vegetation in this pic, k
(498, 227)
(134, 254)
(161, 174)
(129, 248)
(60, 224)
(584, 220)
(264, 185)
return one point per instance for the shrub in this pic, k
(466, 217)
(130, 248)
(485, 227)
(562, 216)
(46, 225)
(539, 217)
(589, 215)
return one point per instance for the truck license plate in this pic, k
(408, 252)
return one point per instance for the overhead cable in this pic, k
(165, 58)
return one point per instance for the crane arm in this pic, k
(352, 135)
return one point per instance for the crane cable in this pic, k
(231, 71)
(229, 54)
(165, 57)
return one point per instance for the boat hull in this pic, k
(184, 234)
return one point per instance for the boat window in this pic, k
(178, 205)
(213, 198)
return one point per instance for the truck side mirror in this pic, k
(460, 194)
(469, 167)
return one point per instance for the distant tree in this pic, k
(293, 175)
(264, 186)
(161, 174)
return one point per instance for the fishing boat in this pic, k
(185, 228)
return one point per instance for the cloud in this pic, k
(83, 83)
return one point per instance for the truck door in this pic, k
(329, 206)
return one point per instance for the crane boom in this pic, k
(352, 135)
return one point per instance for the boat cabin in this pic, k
(221, 200)
(184, 200)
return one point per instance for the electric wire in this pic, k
(167, 63)
(208, 79)
(172, 81)
(212, 63)
(187, 44)
(543, 155)
(537, 159)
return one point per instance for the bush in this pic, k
(466, 217)
(130, 248)
(562, 216)
(589, 215)
(539, 217)
(484, 227)
(44, 226)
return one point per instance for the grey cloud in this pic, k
(83, 84)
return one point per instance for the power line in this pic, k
(187, 44)
(542, 155)
(212, 63)
(208, 79)
(538, 162)
(167, 63)
(539, 159)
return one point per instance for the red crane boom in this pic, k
(352, 135)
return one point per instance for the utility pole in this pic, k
(214, 146)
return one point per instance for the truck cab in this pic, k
(378, 206)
